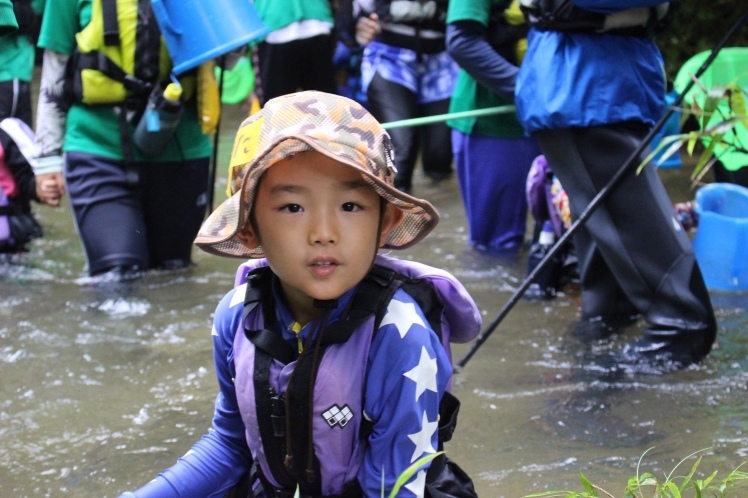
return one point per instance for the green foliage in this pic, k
(645, 485)
(723, 111)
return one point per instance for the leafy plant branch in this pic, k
(723, 120)
(670, 487)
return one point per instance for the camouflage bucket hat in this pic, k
(332, 125)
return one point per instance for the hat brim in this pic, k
(218, 234)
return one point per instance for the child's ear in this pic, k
(391, 217)
(248, 238)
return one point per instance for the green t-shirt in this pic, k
(16, 57)
(16, 51)
(96, 130)
(470, 95)
(279, 13)
(7, 18)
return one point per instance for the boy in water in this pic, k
(320, 385)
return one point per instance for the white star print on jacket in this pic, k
(408, 374)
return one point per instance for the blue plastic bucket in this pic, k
(196, 31)
(721, 242)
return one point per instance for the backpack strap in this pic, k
(111, 23)
(100, 62)
(270, 407)
(372, 296)
(258, 285)
(147, 43)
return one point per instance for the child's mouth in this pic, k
(323, 268)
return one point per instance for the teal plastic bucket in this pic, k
(721, 241)
(196, 31)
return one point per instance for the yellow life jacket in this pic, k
(507, 31)
(121, 57)
(120, 54)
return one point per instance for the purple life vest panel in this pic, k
(338, 402)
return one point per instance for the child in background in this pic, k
(19, 186)
(333, 376)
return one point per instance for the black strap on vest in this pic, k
(269, 405)
(100, 62)
(111, 23)
(371, 298)
(147, 43)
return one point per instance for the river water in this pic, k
(103, 385)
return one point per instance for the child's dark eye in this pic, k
(351, 207)
(291, 208)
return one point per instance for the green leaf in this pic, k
(706, 156)
(693, 137)
(683, 460)
(673, 489)
(550, 494)
(587, 485)
(708, 480)
(737, 104)
(721, 128)
(690, 475)
(649, 481)
(709, 107)
(670, 151)
(648, 159)
(410, 472)
(697, 490)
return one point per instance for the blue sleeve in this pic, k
(408, 372)
(613, 6)
(466, 43)
(219, 459)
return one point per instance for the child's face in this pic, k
(319, 226)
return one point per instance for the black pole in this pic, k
(596, 201)
(214, 159)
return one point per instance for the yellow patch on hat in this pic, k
(245, 149)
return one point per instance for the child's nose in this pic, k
(324, 230)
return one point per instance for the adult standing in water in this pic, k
(492, 154)
(133, 211)
(17, 55)
(298, 52)
(589, 93)
(407, 73)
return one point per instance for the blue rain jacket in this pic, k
(580, 80)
